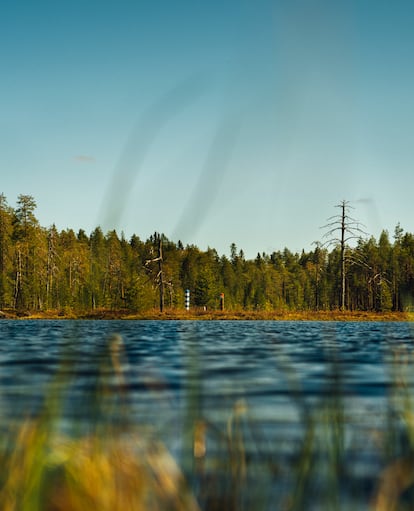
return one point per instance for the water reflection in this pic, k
(309, 412)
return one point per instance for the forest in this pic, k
(43, 269)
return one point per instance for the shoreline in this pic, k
(201, 315)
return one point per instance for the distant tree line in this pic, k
(43, 269)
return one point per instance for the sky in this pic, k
(214, 122)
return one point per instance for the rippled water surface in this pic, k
(264, 381)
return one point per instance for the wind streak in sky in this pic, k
(211, 177)
(142, 137)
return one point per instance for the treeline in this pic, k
(44, 269)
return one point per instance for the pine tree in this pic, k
(6, 218)
(25, 225)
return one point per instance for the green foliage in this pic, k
(43, 269)
(6, 257)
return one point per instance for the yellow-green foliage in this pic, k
(111, 468)
(49, 472)
(121, 468)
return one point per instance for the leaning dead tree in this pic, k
(160, 274)
(342, 228)
(161, 280)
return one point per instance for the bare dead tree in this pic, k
(342, 228)
(160, 274)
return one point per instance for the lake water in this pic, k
(307, 413)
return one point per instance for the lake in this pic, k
(305, 414)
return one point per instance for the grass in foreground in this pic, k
(117, 467)
(47, 472)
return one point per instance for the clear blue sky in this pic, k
(211, 121)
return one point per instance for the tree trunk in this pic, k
(160, 273)
(343, 274)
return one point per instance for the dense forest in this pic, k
(46, 269)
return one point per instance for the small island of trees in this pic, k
(43, 269)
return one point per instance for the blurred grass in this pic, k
(113, 467)
(117, 466)
(45, 472)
